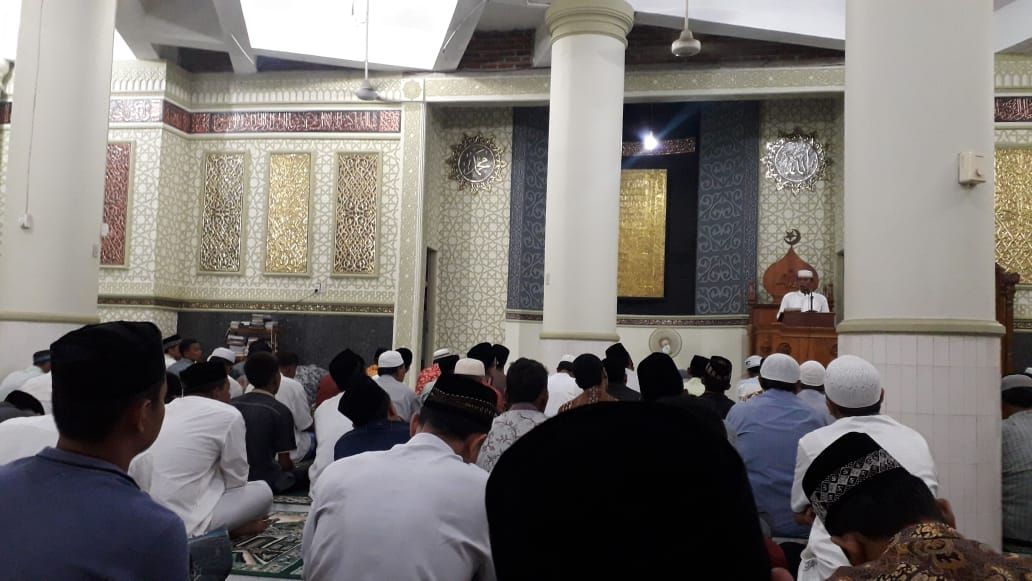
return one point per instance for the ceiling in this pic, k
(425, 35)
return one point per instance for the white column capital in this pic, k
(603, 17)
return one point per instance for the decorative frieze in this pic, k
(117, 177)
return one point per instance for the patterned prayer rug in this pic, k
(274, 553)
(290, 499)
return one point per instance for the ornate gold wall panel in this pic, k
(358, 196)
(287, 224)
(643, 196)
(1014, 210)
(222, 208)
(117, 180)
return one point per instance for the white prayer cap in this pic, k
(780, 367)
(471, 367)
(441, 353)
(804, 274)
(852, 382)
(390, 359)
(226, 355)
(1016, 380)
(753, 361)
(568, 358)
(811, 373)
(1028, 371)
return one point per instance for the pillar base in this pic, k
(552, 350)
(20, 339)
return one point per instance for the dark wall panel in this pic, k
(1021, 352)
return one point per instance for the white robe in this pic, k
(292, 394)
(330, 425)
(24, 437)
(795, 300)
(16, 379)
(41, 387)
(561, 389)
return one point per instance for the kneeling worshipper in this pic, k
(228, 359)
(330, 424)
(292, 394)
(191, 352)
(433, 372)
(696, 369)
(750, 386)
(376, 425)
(197, 468)
(811, 388)
(41, 387)
(270, 426)
(590, 377)
(618, 352)
(717, 380)
(26, 436)
(16, 379)
(72, 512)
(391, 371)
(415, 511)
(171, 346)
(527, 390)
(806, 299)
(562, 387)
(616, 381)
(659, 377)
(854, 389)
(551, 496)
(889, 524)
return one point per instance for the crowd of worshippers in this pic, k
(114, 456)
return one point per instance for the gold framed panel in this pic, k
(1013, 210)
(223, 225)
(130, 190)
(356, 210)
(642, 257)
(288, 220)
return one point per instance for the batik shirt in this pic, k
(505, 430)
(934, 552)
(426, 376)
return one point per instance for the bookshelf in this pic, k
(241, 334)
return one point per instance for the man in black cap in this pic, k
(485, 353)
(171, 346)
(16, 379)
(270, 425)
(716, 378)
(198, 465)
(498, 380)
(616, 372)
(416, 510)
(376, 425)
(108, 401)
(330, 424)
(618, 352)
(538, 534)
(659, 377)
(19, 404)
(696, 369)
(889, 524)
(591, 377)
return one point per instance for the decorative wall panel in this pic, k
(358, 195)
(117, 177)
(297, 122)
(527, 208)
(727, 218)
(165, 320)
(289, 203)
(5, 112)
(222, 208)
(642, 254)
(135, 110)
(1013, 109)
(1014, 211)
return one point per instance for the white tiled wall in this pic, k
(947, 388)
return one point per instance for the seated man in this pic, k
(376, 425)
(16, 379)
(433, 372)
(716, 378)
(41, 387)
(19, 404)
(889, 524)
(562, 387)
(109, 389)
(197, 468)
(855, 395)
(330, 424)
(527, 383)
(391, 370)
(292, 394)
(171, 346)
(619, 353)
(228, 359)
(1016, 433)
(591, 378)
(616, 373)
(659, 377)
(750, 386)
(433, 525)
(806, 299)
(191, 352)
(270, 426)
(768, 428)
(696, 369)
(811, 388)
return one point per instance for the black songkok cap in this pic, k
(659, 377)
(587, 370)
(717, 374)
(627, 446)
(344, 366)
(846, 465)
(40, 357)
(465, 396)
(201, 375)
(483, 352)
(107, 361)
(364, 401)
(170, 341)
(618, 353)
(698, 366)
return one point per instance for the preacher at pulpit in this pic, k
(806, 299)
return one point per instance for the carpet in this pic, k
(274, 553)
(292, 499)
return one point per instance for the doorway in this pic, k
(429, 309)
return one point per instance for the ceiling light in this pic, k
(649, 141)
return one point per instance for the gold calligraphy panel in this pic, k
(643, 197)
(222, 210)
(1014, 210)
(287, 226)
(358, 198)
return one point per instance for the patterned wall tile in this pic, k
(357, 205)
(813, 213)
(728, 182)
(527, 208)
(411, 223)
(166, 320)
(289, 201)
(117, 178)
(1023, 302)
(1014, 210)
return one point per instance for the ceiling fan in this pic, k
(366, 91)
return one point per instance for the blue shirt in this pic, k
(68, 516)
(372, 437)
(768, 428)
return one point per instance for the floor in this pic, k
(276, 507)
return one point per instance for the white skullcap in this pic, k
(1016, 380)
(780, 367)
(804, 274)
(811, 373)
(390, 359)
(224, 354)
(1028, 371)
(471, 367)
(567, 358)
(852, 382)
(441, 353)
(753, 361)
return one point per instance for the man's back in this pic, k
(24, 437)
(41, 387)
(292, 394)
(768, 428)
(270, 431)
(1016, 434)
(623, 393)
(372, 437)
(16, 379)
(419, 503)
(330, 425)
(406, 404)
(561, 389)
(73, 517)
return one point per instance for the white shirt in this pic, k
(694, 386)
(235, 389)
(200, 452)
(801, 302)
(748, 387)
(24, 437)
(632, 380)
(415, 511)
(822, 557)
(41, 387)
(16, 379)
(405, 401)
(330, 425)
(818, 402)
(169, 360)
(292, 394)
(561, 389)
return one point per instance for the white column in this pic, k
(919, 251)
(49, 271)
(583, 208)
